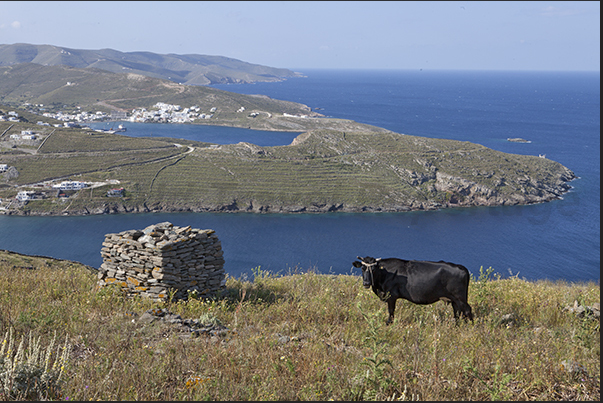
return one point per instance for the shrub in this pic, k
(31, 372)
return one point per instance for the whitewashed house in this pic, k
(26, 195)
(70, 185)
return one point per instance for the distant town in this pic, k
(159, 113)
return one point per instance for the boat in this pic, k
(120, 128)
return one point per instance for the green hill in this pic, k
(322, 170)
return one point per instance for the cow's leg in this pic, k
(466, 310)
(455, 308)
(461, 309)
(391, 307)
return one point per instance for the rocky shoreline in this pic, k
(322, 171)
(471, 199)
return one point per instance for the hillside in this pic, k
(191, 69)
(65, 89)
(322, 170)
(297, 337)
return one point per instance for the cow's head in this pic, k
(368, 264)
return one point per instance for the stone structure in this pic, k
(162, 258)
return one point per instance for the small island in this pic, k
(518, 140)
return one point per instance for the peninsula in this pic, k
(77, 172)
(51, 164)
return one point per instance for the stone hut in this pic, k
(163, 258)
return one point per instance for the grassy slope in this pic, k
(322, 170)
(92, 88)
(97, 90)
(306, 337)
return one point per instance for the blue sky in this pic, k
(474, 35)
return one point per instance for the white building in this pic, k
(70, 185)
(25, 195)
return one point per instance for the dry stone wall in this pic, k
(162, 258)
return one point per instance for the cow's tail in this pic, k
(466, 280)
(468, 313)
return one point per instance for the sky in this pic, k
(446, 35)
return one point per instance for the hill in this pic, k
(66, 89)
(322, 170)
(298, 337)
(192, 69)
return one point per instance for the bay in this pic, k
(208, 134)
(559, 112)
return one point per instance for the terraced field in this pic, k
(322, 170)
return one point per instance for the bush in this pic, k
(31, 372)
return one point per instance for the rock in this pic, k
(584, 311)
(192, 327)
(509, 320)
(574, 368)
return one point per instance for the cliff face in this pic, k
(464, 192)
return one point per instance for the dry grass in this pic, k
(306, 336)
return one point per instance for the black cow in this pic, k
(420, 282)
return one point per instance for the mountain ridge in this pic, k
(189, 69)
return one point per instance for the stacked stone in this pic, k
(163, 258)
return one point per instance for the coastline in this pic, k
(251, 208)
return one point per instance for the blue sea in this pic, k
(557, 112)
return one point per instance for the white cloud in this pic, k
(15, 24)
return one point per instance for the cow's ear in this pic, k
(357, 264)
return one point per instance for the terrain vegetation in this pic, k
(303, 336)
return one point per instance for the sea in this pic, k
(558, 113)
